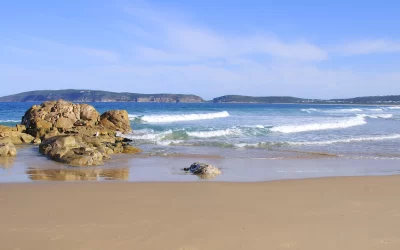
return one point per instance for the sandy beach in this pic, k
(355, 213)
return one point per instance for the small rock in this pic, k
(203, 169)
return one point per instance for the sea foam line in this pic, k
(214, 133)
(355, 121)
(356, 139)
(10, 120)
(177, 118)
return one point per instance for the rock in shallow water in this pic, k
(204, 170)
(7, 148)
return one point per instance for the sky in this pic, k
(309, 49)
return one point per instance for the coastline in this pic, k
(355, 213)
(30, 166)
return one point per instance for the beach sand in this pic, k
(355, 213)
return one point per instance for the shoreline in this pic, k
(31, 166)
(358, 213)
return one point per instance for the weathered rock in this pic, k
(60, 115)
(129, 149)
(20, 128)
(75, 134)
(203, 170)
(15, 134)
(82, 150)
(72, 150)
(117, 120)
(7, 148)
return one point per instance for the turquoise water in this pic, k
(271, 131)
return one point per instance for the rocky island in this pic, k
(76, 95)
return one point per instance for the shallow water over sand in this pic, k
(30, 166)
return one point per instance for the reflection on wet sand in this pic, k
(6, 162)
(36, 174)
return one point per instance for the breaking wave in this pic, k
(355, 121)
(178, 118)
(375, 116)
(214, 133)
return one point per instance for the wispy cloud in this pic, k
(365, 47)
(183, 40)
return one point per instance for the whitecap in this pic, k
(181, 117)
(338, 124)
(214, 133)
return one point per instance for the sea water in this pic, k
(256, 131)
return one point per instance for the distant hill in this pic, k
(75, 95)
(390, 99)
(252, 99)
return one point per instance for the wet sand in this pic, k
(30, 166)
(357, 213)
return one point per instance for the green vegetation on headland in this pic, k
(74, 95)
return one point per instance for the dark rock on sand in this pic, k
(203, 170)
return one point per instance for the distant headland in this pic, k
(76, 95)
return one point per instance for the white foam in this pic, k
(344, 110)
(214, 133)
(147, 134)
(339, 124)
(309, 110)
(375, 116)
(353, 110)
(182, 117)
(10, 120)
(356, 139)
(397, 107)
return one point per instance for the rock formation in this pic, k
(76, 134)
(17, 135)
(116, 120)
(58, 116)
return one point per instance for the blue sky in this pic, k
(309, 49)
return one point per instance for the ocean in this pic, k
(255, 131)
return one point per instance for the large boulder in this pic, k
(71, 150)
(58, 115)
(117, 120)
(7, 148)
(84, 150)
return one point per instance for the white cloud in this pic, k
(191, 41)
(365, 47)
